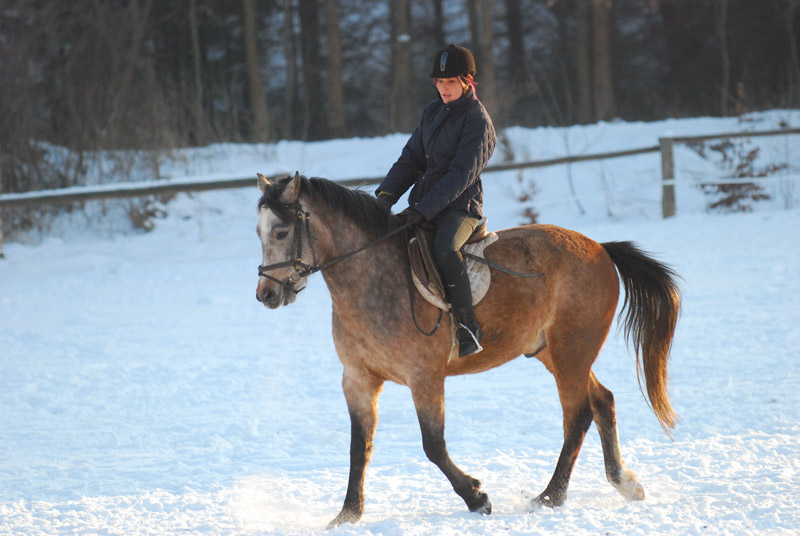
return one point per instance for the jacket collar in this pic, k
(465, 99)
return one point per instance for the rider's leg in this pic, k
(454, 227)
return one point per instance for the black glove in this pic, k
(413, 217)
(386, 200)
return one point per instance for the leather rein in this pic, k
(303, 269)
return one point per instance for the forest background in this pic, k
(88, 76)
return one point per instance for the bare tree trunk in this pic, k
(401, 117)
(605, 103)
(517, 64)
(788, 11)
(198, 114)
(315, 121)
(483, 42)
(473, 14)
(794, 56)
(290, 57)
(563, 93)
(438, 23)
(583, 62)
(336, 117)
(138, 23)
(726, 61)
(260, 124)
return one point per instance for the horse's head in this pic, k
(285, 240)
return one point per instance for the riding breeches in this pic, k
(453, 229)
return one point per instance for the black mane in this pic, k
(358, 205)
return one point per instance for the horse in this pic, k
(562, 319)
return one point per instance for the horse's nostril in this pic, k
(263, 295)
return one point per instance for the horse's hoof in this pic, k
(343, 517)
(550, 500)
(483, 506)
(629, 487)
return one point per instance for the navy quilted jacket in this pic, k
(444, 158)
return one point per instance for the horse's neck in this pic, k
(377, 270)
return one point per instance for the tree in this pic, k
(290, 58)
(260, 125)
(605, 105)
(401, 117)
(583, 61)
(314, 117)
(517, 65)
(725, 60)
(137, 17)
(789, 10)
(438, 23)
(336, 114)
(483, 43)
(196, 97)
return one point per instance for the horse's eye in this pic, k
(281, 235)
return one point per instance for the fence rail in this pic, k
(138, 189)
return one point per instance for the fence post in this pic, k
(667, 178)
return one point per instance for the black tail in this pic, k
(652, 302)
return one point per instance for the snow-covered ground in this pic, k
(143, 390)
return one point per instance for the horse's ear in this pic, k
(292, 190)
(263, 183)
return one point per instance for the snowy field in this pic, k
(143, 390)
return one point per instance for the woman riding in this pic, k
(443, 161)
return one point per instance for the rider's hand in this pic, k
(413, 217)
(386, 200)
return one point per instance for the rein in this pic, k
(302, 269)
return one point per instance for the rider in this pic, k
(443, 161)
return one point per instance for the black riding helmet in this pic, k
(453, 61)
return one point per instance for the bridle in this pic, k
(302, 269)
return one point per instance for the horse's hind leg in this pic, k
(429, 402)
(577, 418)
(604, 417)
(361, 391)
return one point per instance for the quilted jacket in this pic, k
(444, 158)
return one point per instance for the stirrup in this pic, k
(467, 346)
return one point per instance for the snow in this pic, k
(143, 390)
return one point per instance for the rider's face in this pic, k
(450, 89)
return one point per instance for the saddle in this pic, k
(426, 275)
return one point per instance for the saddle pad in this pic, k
(430, 287)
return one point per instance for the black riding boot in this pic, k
(459, 294)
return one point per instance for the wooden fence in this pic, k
(668, 161)
(136, 189)
(127, 190)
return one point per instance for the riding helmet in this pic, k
(453, 61)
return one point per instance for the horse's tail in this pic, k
(652, 300)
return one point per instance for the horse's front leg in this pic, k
(361, 391)
(429, 401)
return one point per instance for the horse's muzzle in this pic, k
(275, 297)
(269, 297)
